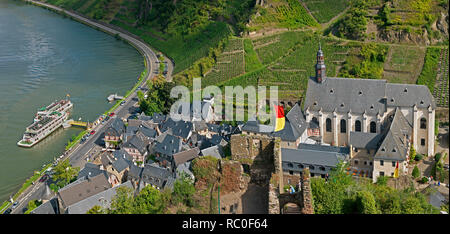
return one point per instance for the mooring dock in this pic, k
(113, 97)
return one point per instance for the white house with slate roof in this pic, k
(349, 111)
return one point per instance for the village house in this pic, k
(114, 133)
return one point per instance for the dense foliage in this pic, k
(354, 23)
(158, 100)
(64, 173)
(343, 195)
(429, 70)
(368, 64)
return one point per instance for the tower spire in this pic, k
(320, 65)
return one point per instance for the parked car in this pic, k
(15, 204)
(43, 178)
(7, 211)
(122, 103)
(92, 132)
(111, 115)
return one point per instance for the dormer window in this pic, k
(315, 104)
(383, 149)
(421, 102)
(331, 91)
(394, 150)
(405, 90)
(371, 107)
(342, 104)
(360, 93)
(392, 100)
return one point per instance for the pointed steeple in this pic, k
(320, 65)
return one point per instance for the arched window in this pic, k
(343, 126)
(373, 127)
(314, 120)
(357, 126)
(423, 123)
(328, 124)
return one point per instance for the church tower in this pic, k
(320, 66)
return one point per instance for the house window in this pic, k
(373, 127)
(423, 123)
(381, 173)
(311, 167)
(300, 165)
(393, 163)
(290, 165)
(381, 163)
(328, 125)
(422, 142)
(356, 162)
(392, 174)
(322, 168)
(357, 126)
(365, 162)
(343, 126)
(370, 163)
(291, 172)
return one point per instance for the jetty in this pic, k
(113, 97)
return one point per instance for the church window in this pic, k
(423, 123)
(357, 126)
(373, 127)
(328, 125)
(343, 126)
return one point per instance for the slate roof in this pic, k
(122, 154)
(200, 125)
(120, 164)
(213, 127)
(185, 156)
(137, 143)
(179, 128)
(170, 145)
(102, 199)
(150, 173)
(49, 207)
(365, 140)
(394, 145)
(311, 157)
(255, 127)
(148, 132)
(82, 189)
(134, 123)
(357, 96)
(116, 128)
(327, 148)
(134, 172)
(91, 170)
(215, 151)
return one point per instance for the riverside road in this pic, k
(77, 155)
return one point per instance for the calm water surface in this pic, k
(43, 57)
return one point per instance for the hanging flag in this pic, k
(280, 121)
(396, 171)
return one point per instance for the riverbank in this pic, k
(142, 48)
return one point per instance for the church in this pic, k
(378, 121)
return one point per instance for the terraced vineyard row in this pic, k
(440, 92)
(325, 10)
(229, 64)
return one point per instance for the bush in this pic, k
(412, 154)
(382, 180)
(424, 180)
(416, 172)
(437, 157)
(418, 157)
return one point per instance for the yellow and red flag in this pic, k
(280, 120)
(396, 171)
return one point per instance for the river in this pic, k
(43, 57)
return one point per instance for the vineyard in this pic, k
(229, 64)
(402, 63)
(440, 92)
(284, 13)
(325, 10)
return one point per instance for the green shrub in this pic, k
(437, 157)
(382, 180)
(418, 157)
(416, 172)
(424, 180)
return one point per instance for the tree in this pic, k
(95, 210)
(149, 201)
(365, 203)
(33, 204)
(122, 203)
(416, 172)
(412, 153)
(65, 173)
(184, 190)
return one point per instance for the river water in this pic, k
(43, 57)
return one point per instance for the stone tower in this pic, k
(320, 66)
